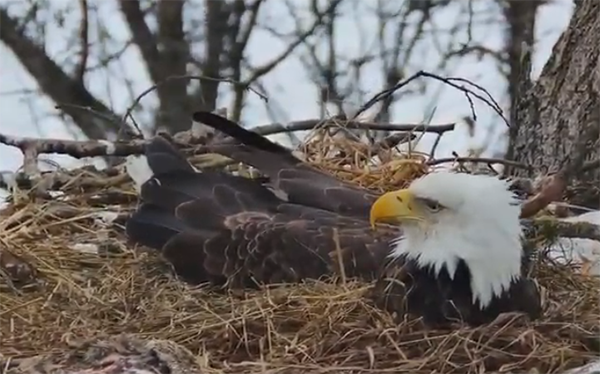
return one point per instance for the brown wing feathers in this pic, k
(217, 227)
(302, 183)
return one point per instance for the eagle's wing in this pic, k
(301, 183)
(215, 227)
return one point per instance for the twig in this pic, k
(128, 113)
(339, 255)
(551, 190)
(392, 141)
(310, 124)
(74, 148)
(553, 187)
(32, 147)
(479, 160)
(95, 148)
(579, 230)
(105, 117)
(486, 98)
(436, 143)
(383, 148)
(87, 177)
(84, 42)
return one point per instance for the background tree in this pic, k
(195, 55)
(556, 121)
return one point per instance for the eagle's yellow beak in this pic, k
(394, 207)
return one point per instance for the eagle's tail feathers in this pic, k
(164, 158)
(160, 158)
(239, 133)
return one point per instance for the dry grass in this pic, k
(352, 160)
(110, 287)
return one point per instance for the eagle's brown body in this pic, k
(220, 228)
(228, 230)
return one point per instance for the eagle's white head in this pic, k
(449, 216)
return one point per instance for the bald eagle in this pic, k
(450, 242)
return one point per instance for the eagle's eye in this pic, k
(432, 205)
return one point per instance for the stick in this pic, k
(95, 148)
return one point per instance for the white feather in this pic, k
(138, 170)
(480, 226)
(591, 368)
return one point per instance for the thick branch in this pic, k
(165, 55)
(80, 149)
(310, 124)
(236, 55)
(54, 82)
(142, 37)
(84, 40)
(205, 97)
(174, 53)
(75, 148)
(566, 229)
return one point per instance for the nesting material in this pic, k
(79, 280)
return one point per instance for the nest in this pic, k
(75, 278)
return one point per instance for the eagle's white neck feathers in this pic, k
(480, 226)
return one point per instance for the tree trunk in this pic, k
(557, 118)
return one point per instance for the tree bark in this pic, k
(557, 118)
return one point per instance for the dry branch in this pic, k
(392, 141)
(360, 125)
(478, 160)
(580, 230)
(74, 148)
(95, 148)
(52, 80)
(456, 83)
(166, 81)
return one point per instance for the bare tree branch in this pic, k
(215, 47)
(477, 160)
(173, 111)
(74, 148)
(240, 38)
(205, 97)
(84, 41)
(520, 17)
(53, 81)
(93, 148)
(456, 83)
(142, 37)
(312, 123)
(565, 229)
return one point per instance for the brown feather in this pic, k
(303, 184)
(234, 230)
